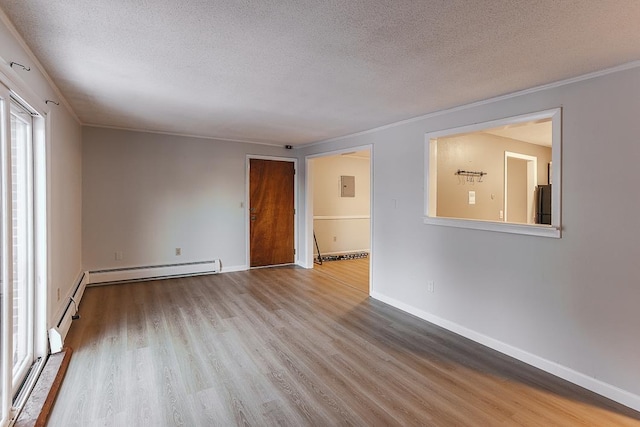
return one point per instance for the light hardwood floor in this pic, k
(287, 346)
(351, 272)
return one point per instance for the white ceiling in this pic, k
(296, 71)
(539, 133)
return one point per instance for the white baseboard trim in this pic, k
(303, 264)
(234, 268)
(607, 390)
(339, 217)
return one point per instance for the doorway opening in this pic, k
(23, 250)
(520, 181)
(339, 215)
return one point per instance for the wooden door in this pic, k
(271, 212)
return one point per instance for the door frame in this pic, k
(13, 393)
(532, 180)
(247, 199)
(308, 205)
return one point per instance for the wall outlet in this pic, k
(178, 251)
(431, 286)
(58, 294)
(118, 255)
(335, 238)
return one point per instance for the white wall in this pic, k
(65, 204)
(64, 174)
(146, 194)
(570, 305)
(341, 224)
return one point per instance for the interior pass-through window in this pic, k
(502, 175)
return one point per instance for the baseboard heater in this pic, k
(340, 257)
(58, 333)
(154, 272)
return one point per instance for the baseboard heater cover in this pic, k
(58, 333)
(344, 256)
(165, 271)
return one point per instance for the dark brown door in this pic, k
(271, 212)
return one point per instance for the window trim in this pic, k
(12, 399)
(19, 374)
(430, 152)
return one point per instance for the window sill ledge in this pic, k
(529, 230)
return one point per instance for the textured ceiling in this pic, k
(296, 71)
(539, 133)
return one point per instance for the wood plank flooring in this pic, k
(351, 272)
(294, 347)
